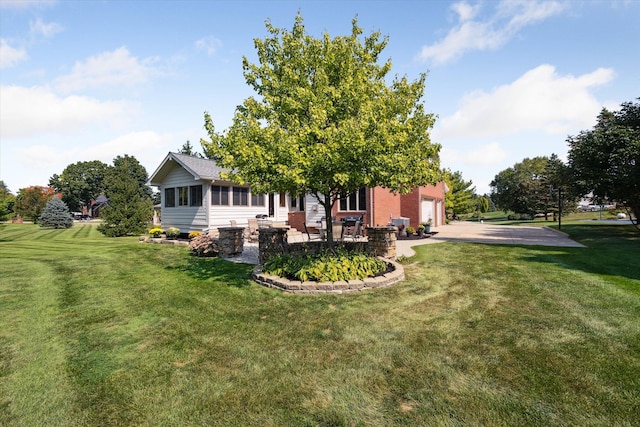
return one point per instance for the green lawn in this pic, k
(97, 331)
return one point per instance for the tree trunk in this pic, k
(328, 205)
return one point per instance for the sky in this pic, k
(95, 79)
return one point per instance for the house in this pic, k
(378, 206)
(194, 197)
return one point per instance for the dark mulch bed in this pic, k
(416, 237)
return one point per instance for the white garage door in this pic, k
(426, 210)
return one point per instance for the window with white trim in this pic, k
(220, 195)
(169, 197)
(355, 201)
(183, 196)
(240, 196)
(195, 195)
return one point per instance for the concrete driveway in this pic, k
(474, 232)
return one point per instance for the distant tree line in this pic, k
(604, 161)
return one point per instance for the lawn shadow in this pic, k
(213, 268)
(611, 251)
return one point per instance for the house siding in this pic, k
(186, 218)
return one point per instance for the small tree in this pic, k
(56, 214)
(130, 207)
(7, 200)
(460, 197)
(326, 123)
(31, 201)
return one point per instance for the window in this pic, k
(183, 196)
(240, 196)
(195, 195)
(283, 200)
(257, 199)
(219, 195)
(169, 197)
(355, 202)
(297, 203)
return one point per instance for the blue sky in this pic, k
(91, 80)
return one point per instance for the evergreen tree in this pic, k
(130, 207)
(460, 199)
(56, 214)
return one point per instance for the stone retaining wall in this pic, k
(298, 287)
(381, 242)
(230, 241)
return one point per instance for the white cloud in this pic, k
(538, 100)
(37, 157)
(209, 44)
(29, 111)
(107, 69)
(489, 34)
(39, 28)
(10, 56)
(141, 144)
(487, 154)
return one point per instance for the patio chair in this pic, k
(353, 231)
(312, 236)
(253, 230)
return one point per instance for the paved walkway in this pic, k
(474, 232)
(462, 231)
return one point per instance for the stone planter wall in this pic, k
(297, 287)
(272, 241)
(231, 241)
(382, 241)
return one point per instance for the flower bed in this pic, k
(394, 274)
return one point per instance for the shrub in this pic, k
(172, 233)
(325, 267)
(203, 246)
(194, 234)
(410, 231)
(156, 232)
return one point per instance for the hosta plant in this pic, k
(325, 267)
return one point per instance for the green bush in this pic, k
(172, 233)
(324, 267)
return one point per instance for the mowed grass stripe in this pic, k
(476, 335)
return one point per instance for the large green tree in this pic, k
(80, 183)
(460, 199)
(130, 207)
(325, 122)
(606, 159)
(531, 187)
(522, 188)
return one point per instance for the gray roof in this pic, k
(200, 168)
